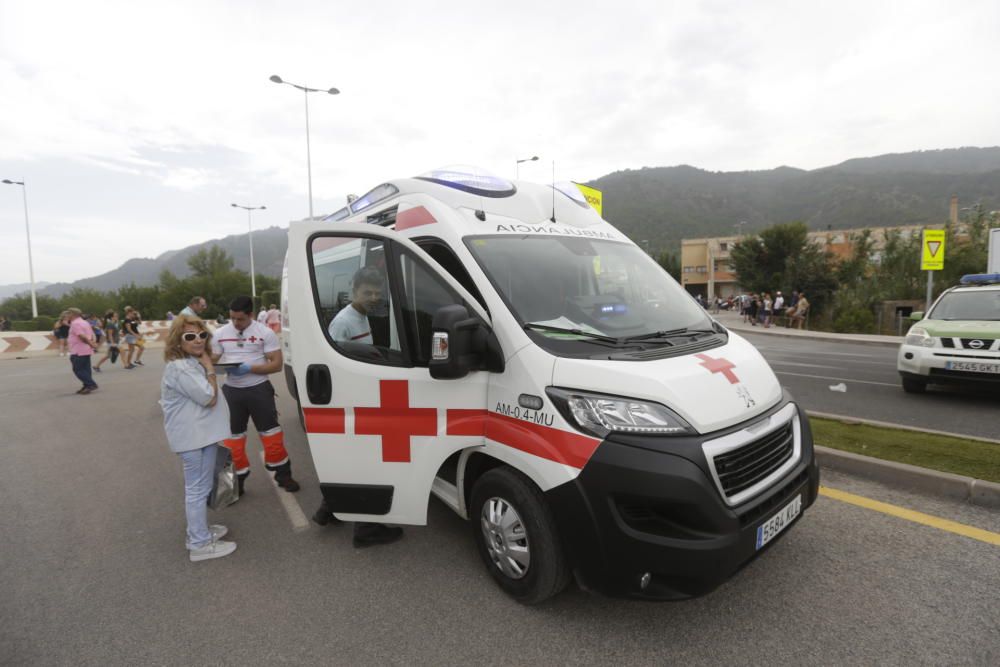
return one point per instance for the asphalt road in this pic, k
(93, 569)
(809, 367)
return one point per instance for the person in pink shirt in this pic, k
(82, 344)
(273, 319)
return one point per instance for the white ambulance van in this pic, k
(542, 376)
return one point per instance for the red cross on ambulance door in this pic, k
(375, 420)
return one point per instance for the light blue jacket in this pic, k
(184, 395)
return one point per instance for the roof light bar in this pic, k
(980, 279)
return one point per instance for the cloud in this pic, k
(164, 113)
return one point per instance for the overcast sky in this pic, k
(136, 124)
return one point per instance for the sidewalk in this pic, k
(734, 321)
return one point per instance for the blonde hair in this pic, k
(173, 350)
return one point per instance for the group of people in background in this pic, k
(80, 335)
(764, 309)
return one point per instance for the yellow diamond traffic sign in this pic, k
(932, 255)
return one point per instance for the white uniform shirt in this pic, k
(262, 316)
(351, 326)
(247, 346)
(779, 302)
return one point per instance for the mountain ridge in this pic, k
(663, 205)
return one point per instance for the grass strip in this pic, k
(980, 460)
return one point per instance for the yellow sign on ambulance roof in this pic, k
(593, 196)
(932, 255)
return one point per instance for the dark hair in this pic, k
(242, 304)
(367, 275)
(195, 300)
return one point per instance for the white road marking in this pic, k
(827, 377)
(291, 505)
(799, 363)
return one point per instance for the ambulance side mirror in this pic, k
(460, 344)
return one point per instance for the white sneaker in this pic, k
(216, 549)
(217, 531)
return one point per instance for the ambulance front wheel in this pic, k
(516, 536)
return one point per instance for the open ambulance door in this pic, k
(379, 426)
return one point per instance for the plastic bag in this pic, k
(225, 487)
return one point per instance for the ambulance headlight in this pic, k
(599, 415)
(918, 336)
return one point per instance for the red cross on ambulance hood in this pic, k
(711, 390)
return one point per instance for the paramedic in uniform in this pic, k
(249, 393)
(351, 325)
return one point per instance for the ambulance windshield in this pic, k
(562, 284)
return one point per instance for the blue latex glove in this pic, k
(242, 369)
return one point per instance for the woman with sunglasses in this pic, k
(195, 421)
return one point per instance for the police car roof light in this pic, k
(470, 179)
(980, 279)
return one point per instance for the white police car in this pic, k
(958, 340)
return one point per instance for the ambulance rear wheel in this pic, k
(516, 536)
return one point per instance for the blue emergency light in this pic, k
(980, 279)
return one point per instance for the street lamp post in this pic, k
(27, 228)
(253, 278)
(306, 90)
(517, 165)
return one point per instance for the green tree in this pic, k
(210, 262)
(18, 307)
(89, 300)
(671, 263)
(966, 247)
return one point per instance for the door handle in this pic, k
(319, 387)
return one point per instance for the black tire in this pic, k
(546, 574)
(912, 386)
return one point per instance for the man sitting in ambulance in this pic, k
(351, 325)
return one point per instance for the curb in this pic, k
(818, 335)
(902, 427)
(944, 484)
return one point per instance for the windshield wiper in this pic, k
(577, 332)
(672, 333)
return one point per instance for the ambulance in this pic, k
(541, 375)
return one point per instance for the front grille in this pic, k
(741, 468)
(981, 344)
(947, 342)
(772, 503)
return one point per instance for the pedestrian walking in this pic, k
(249, 393)
(768, 303)
(262, 315)
(81, 345)
(754, 309)
(111, 332)
(195, 422)
(130, 329)
(140, 340)
(61, 332)
(779, 305)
